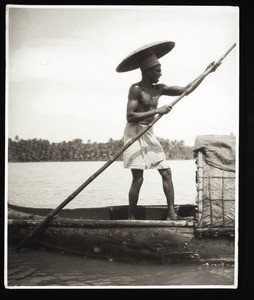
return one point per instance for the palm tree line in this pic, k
(35, 150)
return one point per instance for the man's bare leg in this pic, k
(137, 180)
(168, 189)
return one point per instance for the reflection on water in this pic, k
(39, 268)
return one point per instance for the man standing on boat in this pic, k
(142, 107)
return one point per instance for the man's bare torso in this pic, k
(148, 99)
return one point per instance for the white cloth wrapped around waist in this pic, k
(146, 152)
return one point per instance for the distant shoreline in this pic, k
(34, 150)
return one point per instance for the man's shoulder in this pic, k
(135, 88)
(135, 85)
(159, 86)
(138, 87)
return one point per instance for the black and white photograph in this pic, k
(122, 145)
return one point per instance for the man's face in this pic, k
(154, 73)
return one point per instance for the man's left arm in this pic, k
(178, 90)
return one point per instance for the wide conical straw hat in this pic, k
(135, 59)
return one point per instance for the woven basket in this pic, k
(215, 196)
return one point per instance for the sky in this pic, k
(61, 74)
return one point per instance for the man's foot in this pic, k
(176, 217)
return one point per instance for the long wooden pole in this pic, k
(50, 216)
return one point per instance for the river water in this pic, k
(48, 184)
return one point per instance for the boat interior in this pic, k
(148, 212)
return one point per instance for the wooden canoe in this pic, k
(106, 232)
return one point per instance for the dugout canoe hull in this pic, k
(106, 233)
